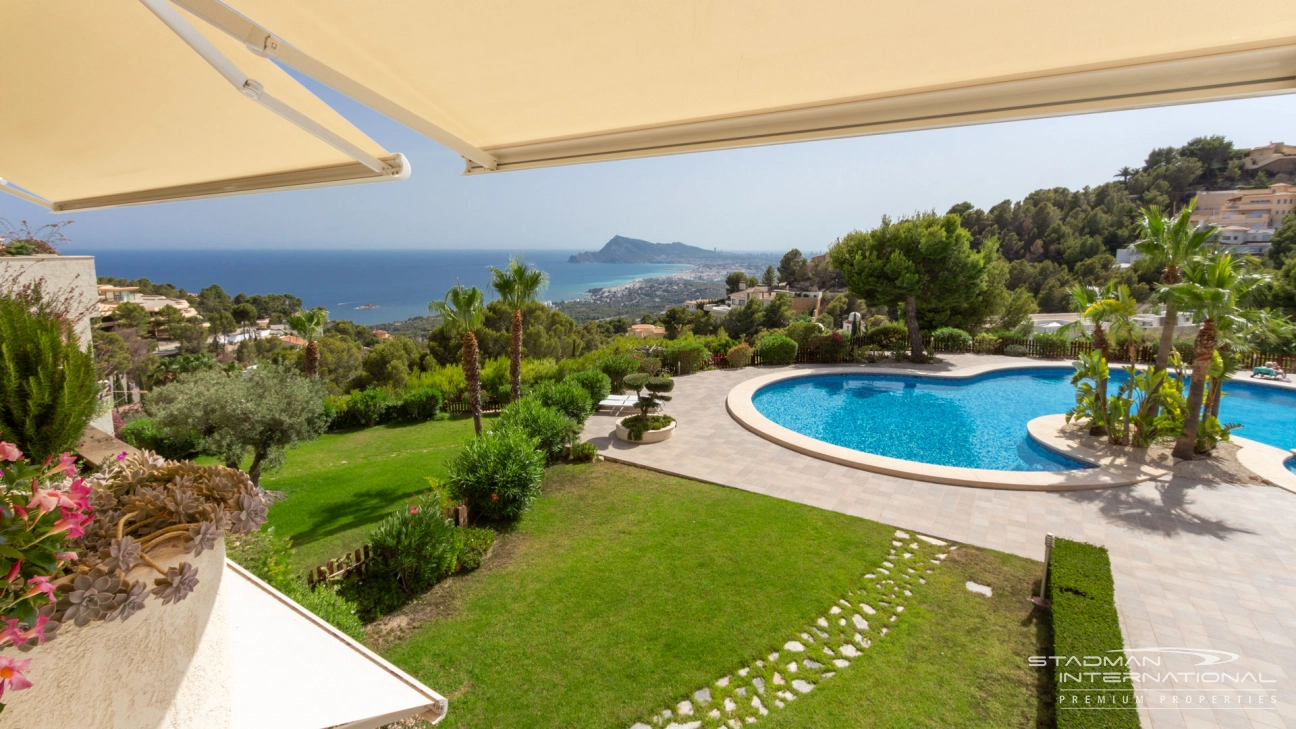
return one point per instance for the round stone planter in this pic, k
(651, 436)
(135, 672)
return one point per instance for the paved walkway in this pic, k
(1198, 565)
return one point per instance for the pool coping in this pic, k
(1107, 471)
(1266, 461)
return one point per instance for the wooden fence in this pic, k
(357, 562)
(461, 406)
(352, 563)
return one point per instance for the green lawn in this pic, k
(624, 590)
(341, 485)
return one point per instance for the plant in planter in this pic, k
(652, 393)
(70, 546)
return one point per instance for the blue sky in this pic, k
(769, 198)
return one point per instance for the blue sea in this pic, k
(399, 282)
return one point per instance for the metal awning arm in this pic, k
(253, 89)
(6, 186)
(262, 42)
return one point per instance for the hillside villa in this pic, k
(1247, 219)
(110, 297)
(1276, 157)
(809, 303)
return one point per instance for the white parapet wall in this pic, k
(70, 277)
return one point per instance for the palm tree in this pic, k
(1125, 173)
(1172, 243)
(461, 313)
(309, 325)
(1120, 308)
(1215, 289)
(1088, 301)
(517, 285)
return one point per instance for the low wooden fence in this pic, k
(352, 563)
(357, 562)
(461, 406)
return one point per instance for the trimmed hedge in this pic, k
(1085, 623)
(887, 335)
(951, 339)
(145, 433)
(687, 356)
(777, 350)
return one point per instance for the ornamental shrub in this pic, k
(498, 473)
(777, 350)
(477, 542)
(567, 398)
(687, 356)
(550, 428)
(594, 382)
(950, 339)
(415, 547)
(1052, 345)
(827, 348)
(145, 433)
(888, 335)
(616, 367)
(650, 365)
(720, 344)
(739, 356)
(1015, 350)
(985, 343)
(801, 333)
(420, 405)
(583, 453)
(48, 388)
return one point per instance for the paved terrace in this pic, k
(1200, 565)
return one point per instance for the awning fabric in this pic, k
(547, 83)
(101, 104)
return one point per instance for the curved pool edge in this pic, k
(1103, 475)
(1266, 461)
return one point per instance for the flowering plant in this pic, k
(71, 546)
(42, 507)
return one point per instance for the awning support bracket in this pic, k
(262, 42)
(253, 89)
(6, 186)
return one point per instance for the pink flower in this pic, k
(80, 494)
(67, 464)
(13, 571)
(67, 556)
(72, 523)
(121, 456)
(21, 511)
(39, 585)
(45, 500)
(12, 633)
(10, 452)
(413, 509)
(11, 674)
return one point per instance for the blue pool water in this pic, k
(977, 422)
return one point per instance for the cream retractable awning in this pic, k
(527, 84)
(103, 104)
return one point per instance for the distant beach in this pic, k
(399, 283)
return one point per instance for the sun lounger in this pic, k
(1266, 373)
(618, 403)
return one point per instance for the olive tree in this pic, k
(258, 412)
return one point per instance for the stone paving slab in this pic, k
(1200, 565)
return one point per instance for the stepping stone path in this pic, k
(841, 635)
(979, 588)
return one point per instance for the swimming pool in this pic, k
(977, 422)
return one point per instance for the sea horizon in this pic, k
(398, 283)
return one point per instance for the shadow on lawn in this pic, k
(360, 508)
